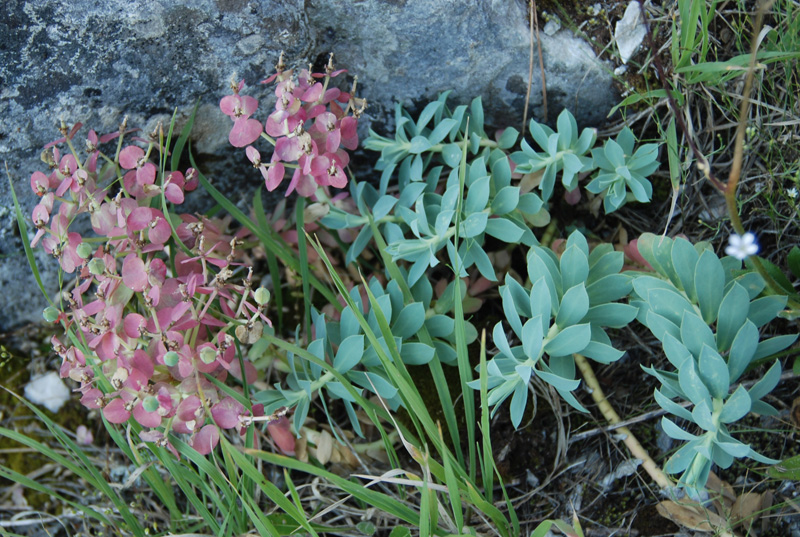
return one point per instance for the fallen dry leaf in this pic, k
(694, 516)
(721, 492)
(746, 510)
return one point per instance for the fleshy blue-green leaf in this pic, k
(409, 320)
(737, 406)
(574, 306)
(602, 353)
(671, 406)
(570, 340)
(684, 262)
(613, 315)
(439, 325)
(574, 266)
(383, 206)
(478, 195)
(742, 350)
(504, 229)
(418, 145)
(506, 200)
(695, 333)
(768, 347)
(673, 431)
(608, 289)
(692, 385)
(669, 304)
(451, 154)
(518, 402)
(416, 353)
(709, 281)
(701, 414)
(764, 309)
(767, 383)
(475, 224)
(732, 314)
(713, 371)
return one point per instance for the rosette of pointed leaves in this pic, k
(562, 152)
(623, 171)
(708, 321)
(435, 221)
(437, 132)
(569, 302)
(491, 206)
(342, 345)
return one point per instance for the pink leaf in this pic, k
(275, 176)
(132, 324)
(160, 231)
(281, 432)
(288, 149)
(206, 440)
(39, 183)
(226, 413)
(313, 93)
(139, 218)
(249, 105)
(252, 154)
(129, 157)
(573, 196)
(228, 105)
(174, 193)
(146, 175)
(133, 273)
(115, 411)
(145, 418)
(244, 132)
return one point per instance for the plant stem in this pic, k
(613, 418)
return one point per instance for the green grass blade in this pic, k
(374, 498)
(487, 472)
(85, 471)
(453, 490)
(435, 365)
(272, 492)
(675, 173)
(25, 481)
(272, 262)
(304, 272)
(180, 143)
(462, 353)
(284, 254)
(23, 233)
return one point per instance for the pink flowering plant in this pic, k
(157, 297)
(310, 129)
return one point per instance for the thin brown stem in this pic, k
(611, 416)
(534, 28)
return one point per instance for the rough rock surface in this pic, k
(96, 61)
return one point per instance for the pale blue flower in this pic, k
(743, 246)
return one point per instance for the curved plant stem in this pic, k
(727, 189)
(612, 417)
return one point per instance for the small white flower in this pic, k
(792, 192)
(742, 247)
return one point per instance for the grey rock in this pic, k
(98, 61)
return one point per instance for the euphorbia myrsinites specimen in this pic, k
(310, 129)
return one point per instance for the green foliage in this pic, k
(623, 171)
(707, 319)
(457, 195)
(563, 151)
(564, 312)
(341, 344)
